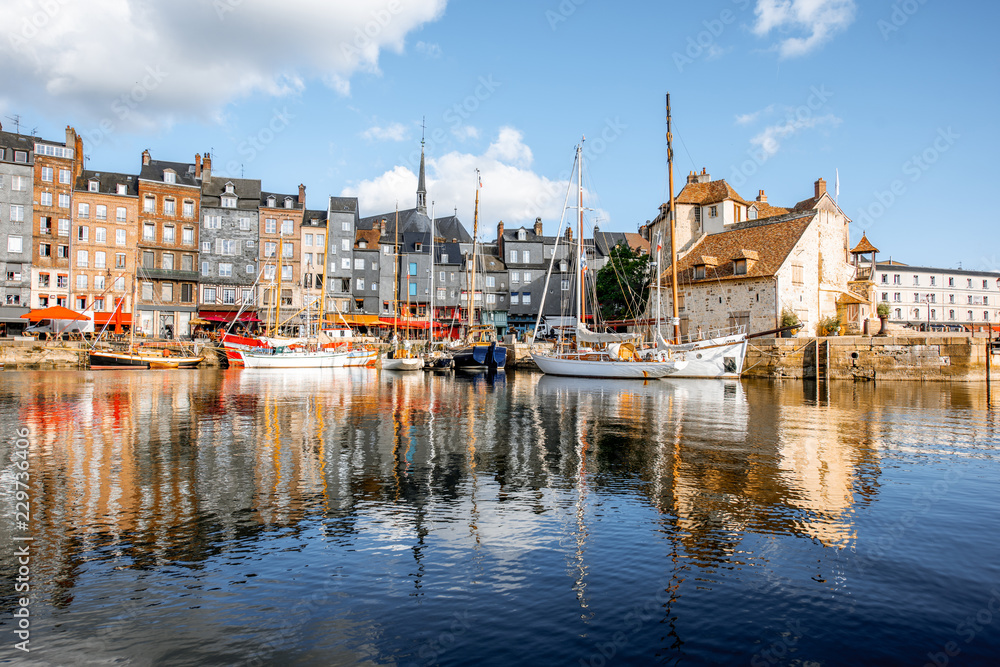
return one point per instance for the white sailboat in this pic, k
(717, 357)
(601, 355)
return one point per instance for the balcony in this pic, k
(169, 274)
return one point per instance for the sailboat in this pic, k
(718, 357)
(142, 356)
(601, 355)
(482, 350)
(303, 352)
(399, 358)
(434, 360)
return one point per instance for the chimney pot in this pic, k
(500, 230)
(302, 195)
(761, 197)
(538, 226)
(145, 157)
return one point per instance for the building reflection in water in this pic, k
(144, 469)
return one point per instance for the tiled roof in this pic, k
(765, 210)
(636, 242)
(771, 242)
(864, 245)
(707, 193)
(369, 236)
(806, 204)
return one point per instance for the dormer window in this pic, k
(362, 244)
(739, 267)
(563, 266)
(121, 189)
(752, 214)
(418, 247)
(521, 235)
(169, 176)
(230, 188)
(699, 271)
(228, 201)
(288, 202)
(271, 201)
(444, 258)
(92, 186)
(743, 261)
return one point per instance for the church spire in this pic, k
(421, 184)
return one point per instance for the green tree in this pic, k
(623, 284)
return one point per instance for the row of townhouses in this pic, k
(176, 244)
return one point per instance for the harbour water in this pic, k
(348, 516)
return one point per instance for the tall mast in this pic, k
(430, 312)
(395, 279)
(581, 301)
(277, 275)
(135, 302)
(322, 287)
(673, 234)
(472, 273)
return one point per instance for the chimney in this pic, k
(499, 230)
(79, 154)
(145, 158)
(692, 177)
(538, 226)
(197, 165)
(820, 188)
(569, 233)
(704, 176)
(302, 196)
(761, 197)
(206, 167)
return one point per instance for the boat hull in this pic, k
(599, 366)
(131, 360)
(306, 359)
(481, 356)
(403, 364)
(714, 358)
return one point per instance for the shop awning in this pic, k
(115, 318)
(12, 314)
(405, 324)
(353, 319)
(227, 316)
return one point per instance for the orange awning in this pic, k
(357, 319)
(116, 318)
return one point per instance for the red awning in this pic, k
(405, 324)
(53, 313)
(223, 316)
(115, 318)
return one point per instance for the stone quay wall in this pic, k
(923, 357)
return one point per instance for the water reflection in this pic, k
(436, 488)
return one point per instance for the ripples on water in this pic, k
(347, 516)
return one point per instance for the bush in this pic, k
(829, 325)
(882, 309)
(789, 318)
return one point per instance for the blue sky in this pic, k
(768, 94)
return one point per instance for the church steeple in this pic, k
(421, 183)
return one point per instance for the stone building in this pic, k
(106, 219)
(228, 240)
(738, 269)
(56, 168)
(280, 224)
(169, 224)
(528, 254)
(343, 223)
(17, 159)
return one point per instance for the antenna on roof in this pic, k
(17, 122)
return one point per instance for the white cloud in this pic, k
(818, 19)
(428, 49)
(394, 132)
(769, 139)
(511, 191)
(748, 118)
(465, 132)
(143, 64)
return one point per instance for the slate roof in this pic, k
(107, 182)
(712, 192)
(20, 142)
(771, 241)
(247, 192)
(279, 200)
(184, 170)
(412, 220)
(491, 263)
(315, 218)
(343, 204)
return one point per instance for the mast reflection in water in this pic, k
(348, 516)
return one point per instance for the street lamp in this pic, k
(927, 299)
